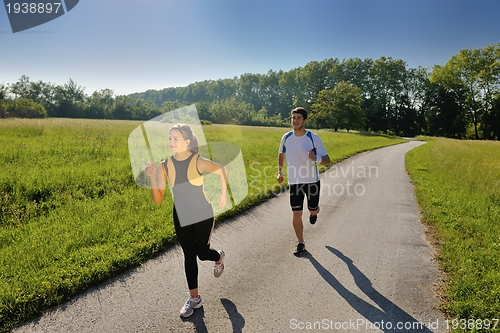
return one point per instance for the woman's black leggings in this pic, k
(195, 242)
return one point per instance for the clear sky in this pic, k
(131, 46)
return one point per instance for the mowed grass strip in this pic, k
(457, 185)
(72, 215)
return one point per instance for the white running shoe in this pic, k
(191, 304)
(219, 268)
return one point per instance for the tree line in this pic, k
(460, 99)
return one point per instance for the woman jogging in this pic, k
(193, 215)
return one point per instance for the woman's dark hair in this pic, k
(301, 111)
(187, 134)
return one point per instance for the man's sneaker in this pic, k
(191, 304)
(219, 268)
(300, 248)
(313, 218)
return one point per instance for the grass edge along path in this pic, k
(72, 216)
(457, 186)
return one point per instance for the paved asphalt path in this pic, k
(368, 268)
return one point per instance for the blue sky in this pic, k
(131, 46)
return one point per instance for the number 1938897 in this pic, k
(33, 7)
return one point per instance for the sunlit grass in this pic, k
(458, 189)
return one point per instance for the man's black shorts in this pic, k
(299, 191)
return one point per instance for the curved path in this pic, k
(368, 268)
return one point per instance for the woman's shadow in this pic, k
(237, 320)
(390, 315)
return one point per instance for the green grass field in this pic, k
(457, 185)
(72, 215)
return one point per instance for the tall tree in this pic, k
(221, 89)
(269, 93)
(231, 111)
(248, 89)
(21, 88)
(289, 92)
(125, 107)
(354, 71)
(339, 107)
(324, 112)
(492, 120)
(387, 77)
(313, 78)
(69, 100)
(100, 105)
(3, 92)
(443, 111)
(473, 74)
(411, 117)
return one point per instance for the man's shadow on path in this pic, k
(390, 314)
(237, 320)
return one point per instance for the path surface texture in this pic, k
(368, 268)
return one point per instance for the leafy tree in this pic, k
(350, 102)
(146, 110)
(387, 77)
(414, 90)
(21, 87)
(25, 108)
(490, 84)
(69, 100)
(289, 88)
(354, 71)
(269, 92)
(443, 111)
(100, 104)
(3, 92)
(324, 112)
(130, 108)
(313, 78)
(170, 106)
(339, 108)
(3, 95)
(472, 74)
(492, 120)
(203, 111)
(43, 93)
(38, 92)
(248, 88)
(231, 111)
(221, 89)
(263, 118)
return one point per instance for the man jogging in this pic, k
(302, 150)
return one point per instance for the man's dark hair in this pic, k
(301, 111)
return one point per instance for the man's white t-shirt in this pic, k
(301, 170)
